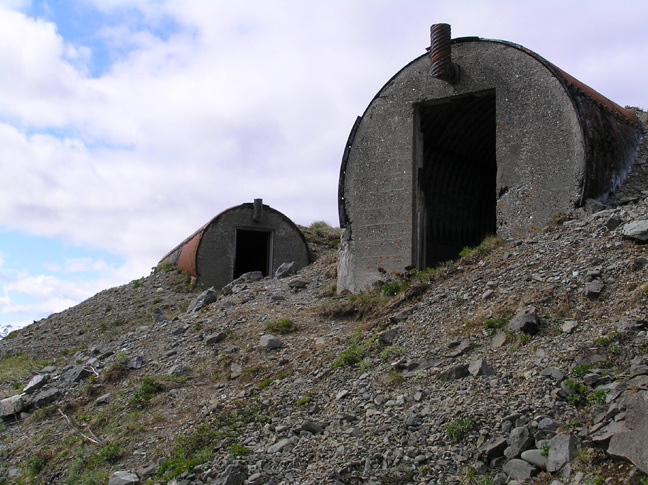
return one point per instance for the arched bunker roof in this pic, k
(572, 86)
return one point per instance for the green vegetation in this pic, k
(17, 366)
(487, 245)
(73, 350)
(356, 351)
(577, 389)
(283, 326)
(493, 324)
(236, 450)
(305, 399)
(597, 396)
(459, 428)
(149, 388)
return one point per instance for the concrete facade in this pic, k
(431, 166)
(248, 237)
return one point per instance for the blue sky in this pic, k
(125, 125)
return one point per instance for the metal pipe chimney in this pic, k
(441, 65)
(257, 211)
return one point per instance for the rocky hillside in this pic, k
(523, 361)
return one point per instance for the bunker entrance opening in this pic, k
(253, 249)
(456, 202)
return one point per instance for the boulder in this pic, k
(158, 316)
(36, 383)
(562, 450)
(123, 478)
(630, 441)
(11, 405)
(637, 230)
(215, 338)
(280, 445)
(269, 342)
(44, 398)
(519, 440)
(480, 368)
(135, 362)
(207, 297)
(519, 469)
(285, 270)
(525, 321)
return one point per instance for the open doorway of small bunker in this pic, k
(456, 174)
(253, 252)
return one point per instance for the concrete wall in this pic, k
(540, 152)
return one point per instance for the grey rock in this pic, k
(11, 405)
(593, 288)
(388, 336)
(74, 374)
(297, 284)
(553, 373)
(36, 383)
(639, 263)
(519, 440)
(178, 370)
(455, 372)
(252, 276)
(207, 297)
(180, 330)
(562, 450)
(158, 316)
(123, 478)
(236, 370)
(519, 469)
(285, 270)
(525, 321)
(105, 399)
(613, 222)
(569, 325)
(547, 424)
(492, 449)
(535, 457)
(233, 475)
(459, 348)
(280, 445)
(630, 442)
(269, 342)
(480, 368)
(46, 397)
(312, 427)
(215, 338)
(637, 230)
(135, 362)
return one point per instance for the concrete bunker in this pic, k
(248, 237)
(476, 137)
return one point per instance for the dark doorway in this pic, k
(252, 252)
(457, 176)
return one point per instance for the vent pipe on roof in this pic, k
(257, 213)
(441, 65)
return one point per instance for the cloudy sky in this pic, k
(125, 125)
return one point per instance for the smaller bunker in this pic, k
(248, 237)
(476, 137)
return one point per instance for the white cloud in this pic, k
(237, 100)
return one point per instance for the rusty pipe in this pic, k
(441, 65)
